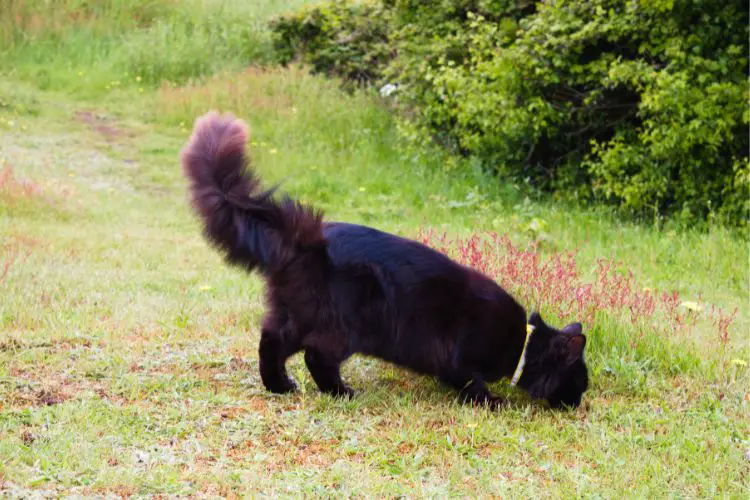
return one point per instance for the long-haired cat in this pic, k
(336, 289)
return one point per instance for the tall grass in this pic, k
(92, 46)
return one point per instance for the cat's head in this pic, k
(555, 369)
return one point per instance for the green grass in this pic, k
(128, 349)
(92, 46)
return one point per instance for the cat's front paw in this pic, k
(491, 402)
(344, 391)
(495, 402)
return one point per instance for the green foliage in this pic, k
(339, 39)
(639, 104)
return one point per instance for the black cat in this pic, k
(336, 289)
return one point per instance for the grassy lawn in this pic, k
(128, 350)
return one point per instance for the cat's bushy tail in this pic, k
(250, 227)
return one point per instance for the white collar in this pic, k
(522, 360)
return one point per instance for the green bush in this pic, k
(638, 103)
(339, 39)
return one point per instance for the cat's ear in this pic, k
(573, 329)
(536, 319)
(574, 347)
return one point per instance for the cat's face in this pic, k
(555, 364)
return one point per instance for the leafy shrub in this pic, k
(338, 39)
(642, 104)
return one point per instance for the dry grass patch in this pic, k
(255, 90)
(21, 194)
(102, 125)
(12, 187)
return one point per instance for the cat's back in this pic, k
(352, 244)
(410, 266)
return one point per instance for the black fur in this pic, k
(337, 289)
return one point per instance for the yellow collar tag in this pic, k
(522, 360)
